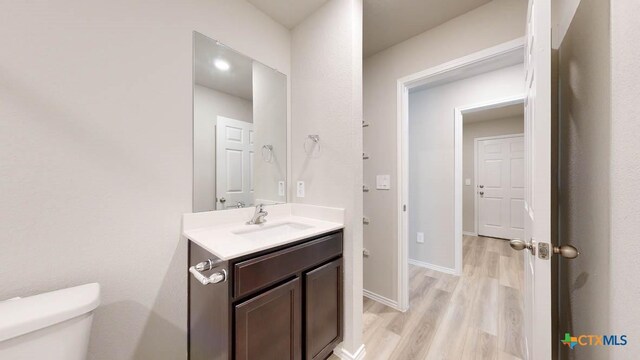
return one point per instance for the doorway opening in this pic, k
(493, 171)
(477, 280)
(431, 106)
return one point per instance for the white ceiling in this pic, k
(388, 22)
(236, 81)
(503, 112)
(288, 12)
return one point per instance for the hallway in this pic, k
(475, 316)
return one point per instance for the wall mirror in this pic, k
(239, 129)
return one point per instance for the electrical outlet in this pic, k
(280, 188)
(300, 189)
(420, 238)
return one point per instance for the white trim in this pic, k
(475, 182)
(403, 195)
(493, 54)
(345, 355)
(381, 299)
(439, 268)
(469, 233)
(489, 54)
(498, 137)
(476, 141)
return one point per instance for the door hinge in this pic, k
(404, 207)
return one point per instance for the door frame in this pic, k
(475, 171)
(492, 58)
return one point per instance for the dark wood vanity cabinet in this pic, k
(282, 304)
(323, 309)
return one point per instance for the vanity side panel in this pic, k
(209, 323)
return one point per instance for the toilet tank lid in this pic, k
(20, 316)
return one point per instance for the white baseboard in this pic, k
(345, 355)
(381, 299)
(442, 269)
(469, 233)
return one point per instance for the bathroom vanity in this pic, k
(265, 282)
(269, 291)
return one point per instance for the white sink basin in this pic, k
(265, 231)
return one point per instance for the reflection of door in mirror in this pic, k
(208, 105)
(234, 163)
(239, 108)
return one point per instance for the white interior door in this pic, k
(500, 189)
(537, 272)
(234, 163)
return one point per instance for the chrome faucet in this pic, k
(258, 216)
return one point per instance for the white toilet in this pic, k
(54, 325)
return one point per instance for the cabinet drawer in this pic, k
(257, 273)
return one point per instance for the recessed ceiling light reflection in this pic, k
(221, 65)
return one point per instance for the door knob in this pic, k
(566, 251)
(481, 186)
(518, 244)
(223, 200)
(481, 193)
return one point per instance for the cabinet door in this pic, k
(267, 326)
(323, 312)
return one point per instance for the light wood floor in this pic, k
(475, 316)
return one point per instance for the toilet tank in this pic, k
(54, 325)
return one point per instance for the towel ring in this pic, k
(312, 145)
(267, 155)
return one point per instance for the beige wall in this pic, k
(208, 104)
(492, 24)
(326, 100)
(270, 126)
(471, 131)
(625, 172)
(432, 157)
(584, 187)
(599, 168)
(96, 154)
(562, 12)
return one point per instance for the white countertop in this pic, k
(218, 231)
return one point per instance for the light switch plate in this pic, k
(300, 189)
(467, 182)
(383, 182)
(280, 188)
(420, 238)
